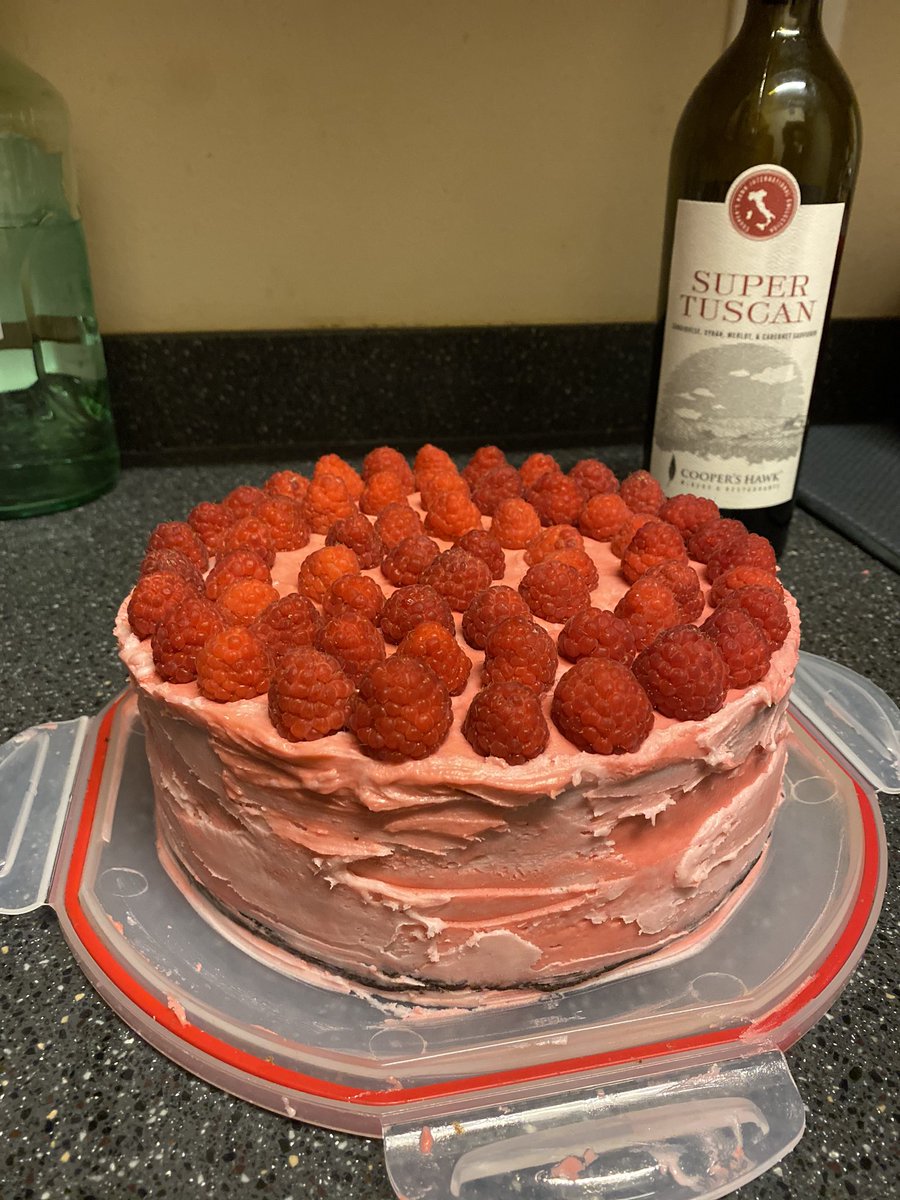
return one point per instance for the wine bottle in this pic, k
(763, 165)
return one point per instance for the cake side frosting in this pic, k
(454, 869)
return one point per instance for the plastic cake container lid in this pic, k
(664, 1078)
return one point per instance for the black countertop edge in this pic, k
(201, 397)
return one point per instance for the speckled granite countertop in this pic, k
(88, 1110)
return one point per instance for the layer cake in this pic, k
(458, 870)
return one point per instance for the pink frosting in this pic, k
(457, 870)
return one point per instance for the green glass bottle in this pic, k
(57, 440)
(762, 171)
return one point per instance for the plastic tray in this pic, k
(665, 1078)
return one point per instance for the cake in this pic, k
(506, 852)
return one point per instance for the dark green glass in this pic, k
(777, 95)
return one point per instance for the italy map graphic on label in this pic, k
(758, 199)
(744, 402)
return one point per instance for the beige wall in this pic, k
(292, 163)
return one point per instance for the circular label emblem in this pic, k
(763, 201)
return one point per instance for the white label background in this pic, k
(729, 423)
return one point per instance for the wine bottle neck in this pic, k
(785, 18)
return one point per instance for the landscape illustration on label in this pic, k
(726, 402)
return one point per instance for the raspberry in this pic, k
(333, 464)
(683, 673)
(557, 499)
(485, 459)
(153, 597)
(619, 542)
(442, 479)
(354, 593)
(458, 576)
(178, 535)
(600, 707)
(233, 665)
(243, 601)
(648, 607)
(519, 651)
(594, 478)
(327, 501)
(595, 631)
(748, 551)
(742, 644)
(209, 521)
(438, 649)
(515, 523)
(353, 641)
(557, 537)
(581, 561)
(242, 501)
(487, 610)
(738, 577)
(688, 512)
(288, 483)
(175, 563)
(309, 695)
(554, 591)
(239, 564)
(321, 568)
(431, 458)
(251, 534)
(381, 489)
(357, 533)
(400, 710)
(764, 606)
(287, 624)
(486, 547)
(396, 522)
(407, 563)
(710, 536)
(502, 483)
(653, 543)
(684, 582)
(285, 521)
(180, 634)
(386, 458)
(439, 483)
(505, 720)
(451, 515)
(536, 465)
(603, 516)
(642, 493)
(410, 606)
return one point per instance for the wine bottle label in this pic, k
(748, 294)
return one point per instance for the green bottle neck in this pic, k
(782, 18)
